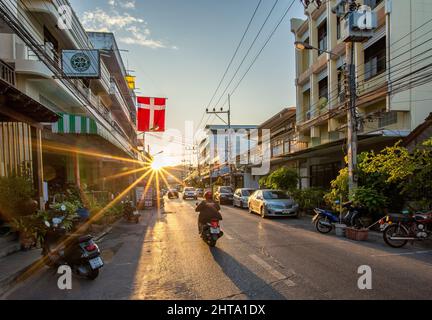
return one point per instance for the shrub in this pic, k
(308, 199)
(283, 178)
(15, 194)
(369, 198)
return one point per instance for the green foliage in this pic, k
(369, 198)
(263, 182)
(308, 199)
(283, 178)
(338, 191)
(15, 194)
(395, 163)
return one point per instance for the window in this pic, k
(322, 36)
(268, 195)
(340, 80)
(323, 88)
(322, 174)
(372, 3)
(375, 59)
(338, 28)
(277, 148)
(387, 119)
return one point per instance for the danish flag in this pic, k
(151, 114)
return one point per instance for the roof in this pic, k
(417, 132)
(282, 115)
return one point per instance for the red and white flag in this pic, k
(151, 114)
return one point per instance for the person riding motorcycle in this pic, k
(208, 210)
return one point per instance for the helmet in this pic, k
(208, 195)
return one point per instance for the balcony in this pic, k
(7, 73)
(119, 102)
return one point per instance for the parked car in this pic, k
(189, 193)
(200, 192)
(224, 195)
(241, 197)
(269, 202)
(173, 194)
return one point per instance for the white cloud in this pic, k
(128, 29)
(123, 4)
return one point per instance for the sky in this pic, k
(179, 49)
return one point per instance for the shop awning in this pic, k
(70, 123)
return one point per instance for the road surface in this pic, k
(162, 257)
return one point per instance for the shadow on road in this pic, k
(248, 282)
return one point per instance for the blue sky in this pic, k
(180, 49)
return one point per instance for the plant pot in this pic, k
(357, 234)
(27, 241)
(340, 229)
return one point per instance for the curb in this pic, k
(8, 283)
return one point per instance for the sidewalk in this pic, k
(373, 236)
(16, 264)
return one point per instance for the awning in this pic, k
(13, 99)
(70, 123)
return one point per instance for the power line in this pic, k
(235, 53)
(247, 53)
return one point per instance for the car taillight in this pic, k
(90, 247)
(214, 224)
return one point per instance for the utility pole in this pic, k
(350, 6)
(228, 113)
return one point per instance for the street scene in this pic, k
(227, 150)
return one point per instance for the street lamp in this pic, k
(306, 46)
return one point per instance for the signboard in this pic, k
(81, 63)
(144, 200)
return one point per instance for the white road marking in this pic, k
(272, 271)
(228, 236)
(401, 254)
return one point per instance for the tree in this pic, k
(283, 178)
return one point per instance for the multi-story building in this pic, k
(95, 129)
(392, 91)
(221, 150)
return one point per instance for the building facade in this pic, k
(392, 98)
(92, 133)
(222, 151)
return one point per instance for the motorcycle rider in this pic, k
(208, 210)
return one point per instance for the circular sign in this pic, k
(80, 62)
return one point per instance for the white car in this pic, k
(189, 193)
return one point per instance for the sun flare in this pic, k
(156, 165)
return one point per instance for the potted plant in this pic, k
(28, 230)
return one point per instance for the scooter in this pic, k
(130, 213)
(79, 252)
(211, 232)
(324, 220)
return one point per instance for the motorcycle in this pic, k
(78, 251)
(211, 232)
(130, 213)
(324, 220)
(398, 229)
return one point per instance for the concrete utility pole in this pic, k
(227, 152)
(351, 108)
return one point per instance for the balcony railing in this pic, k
(7, 73)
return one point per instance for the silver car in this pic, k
(241, 197)
(272, 203)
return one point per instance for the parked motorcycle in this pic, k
(130, 213)
(78, 251)
(324, 220)
(211, 232)
(398, 229)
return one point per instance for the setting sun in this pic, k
(157, 164)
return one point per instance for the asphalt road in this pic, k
(163, 258)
